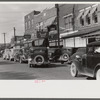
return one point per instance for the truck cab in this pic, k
(38, 54)
(88, 64)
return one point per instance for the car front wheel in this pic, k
(98, 74)
(73, 70)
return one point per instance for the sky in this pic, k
(12, 15)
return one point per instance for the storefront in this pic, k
(82, 38)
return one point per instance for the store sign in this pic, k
(53, 33)
(52, 28)
(41, 34)
(27, 36)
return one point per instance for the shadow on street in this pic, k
(6, 62)
(51, 66)
(16, 75)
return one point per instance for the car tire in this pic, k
(36, 62)
(73, 70)
(98, 74)
(67, 57)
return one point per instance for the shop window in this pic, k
(91, 40)
(68, 22)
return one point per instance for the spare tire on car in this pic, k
(39, 60)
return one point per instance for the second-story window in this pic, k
(29, 24)
(32, 21)
(88, 20)
(68, 21)
(86, 15)
(25, 25)
(80, 17)
(81, 21)
(94, 16)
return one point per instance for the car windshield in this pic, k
(38, 42)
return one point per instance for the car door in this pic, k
(90, 60)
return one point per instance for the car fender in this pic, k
(77, 63)
(96, 68)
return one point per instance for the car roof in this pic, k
(96, 43)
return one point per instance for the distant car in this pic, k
(22, 55)
(88, 63)
(6, 54)
(13, 52)
(80, 51)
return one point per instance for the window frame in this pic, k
(68, 21)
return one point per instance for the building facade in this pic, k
(86, 22)
(29, 23)
(79, 24)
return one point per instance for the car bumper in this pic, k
(34, 63)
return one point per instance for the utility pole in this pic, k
(14, 36)
(4, 39)
(73, 21)
(57, 7)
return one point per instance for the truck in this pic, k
(42, 54)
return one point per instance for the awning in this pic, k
(83, 32)
(92, 11)
(67, 33)
(53, 32)
(85, 13)
(92, 35)
(49, 21)
(80, 14)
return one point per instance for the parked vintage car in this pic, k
(42, 54)
(22, 55)
(89, 63)
(13, 52)
(59, 54)
(6, 54)
(38, 54)
(80, 51)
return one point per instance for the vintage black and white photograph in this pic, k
(56, 41)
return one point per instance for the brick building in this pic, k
(30, 21)
(85, 22)
(78, 24)
(41, 23)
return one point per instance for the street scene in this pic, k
(15, 71)
(50, 41)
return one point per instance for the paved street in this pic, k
(14, 70)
